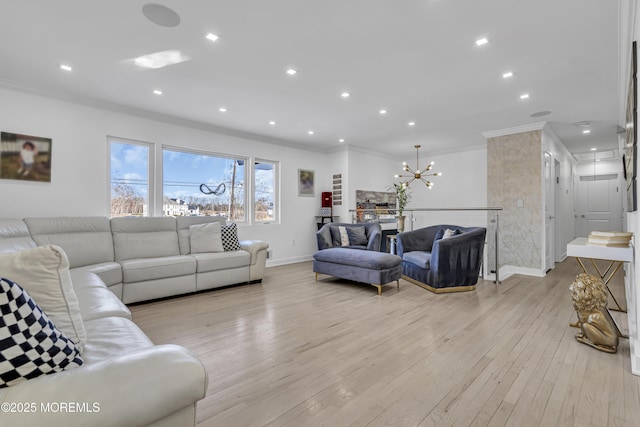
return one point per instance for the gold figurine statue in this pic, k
(597, 329)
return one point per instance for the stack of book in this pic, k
(612, 239)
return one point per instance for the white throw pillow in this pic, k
(44, 273)
(344, 236)
(206, 238)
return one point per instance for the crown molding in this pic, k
(549, 131)
(517, 129)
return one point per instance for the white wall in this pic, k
(629, 31)
(79, 183)
(463, 184)
(564, 209)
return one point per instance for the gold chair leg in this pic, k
(316, 276)
(379, 288)
(398, 282)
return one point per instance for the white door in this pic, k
(599, 206)
(549, 211)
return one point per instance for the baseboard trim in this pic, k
(507, 271)
(286, 261)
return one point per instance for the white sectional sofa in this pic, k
(141, 259)
(109, 263)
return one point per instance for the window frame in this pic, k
(151, 187)
(276, 190)
(246, 199)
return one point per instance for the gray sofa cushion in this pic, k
(139, 270)
(135, 238)
(420, 258)
(366, 259)
(14, 236)
(222, 260)
(184, 222)
(85, 240)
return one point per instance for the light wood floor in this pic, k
(295, 352)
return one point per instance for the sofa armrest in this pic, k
(375, 239)
(457, 260)
(138, 388)
(323, 237)
(416, 240)
(258, 251)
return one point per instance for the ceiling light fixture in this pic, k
(291, 71)
(417, 173)
(383, 111)
(160, 59)
(311, 132)
(341, 140)
(525, 96)
(507, 75)
(222, 109)
(272, 123)
(594, 149)
(212, 37)
(411, 123)
(482, 41)
(65, 67)
(345, 94)
(157, 92)
(586, 131)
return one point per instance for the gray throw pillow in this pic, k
(357, 236)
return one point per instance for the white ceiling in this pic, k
(416, 58)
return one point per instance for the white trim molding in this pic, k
(517, 129)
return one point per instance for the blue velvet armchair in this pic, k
(329, 236)
(449, 264)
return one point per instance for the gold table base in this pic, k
(606, 276)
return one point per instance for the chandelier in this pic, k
(417, 173)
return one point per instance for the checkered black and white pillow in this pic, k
(30, 344)
(230, 237)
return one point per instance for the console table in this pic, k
(582, 251)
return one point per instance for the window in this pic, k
(264, 194)
(129, 178)
(196, 183)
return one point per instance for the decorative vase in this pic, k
(400, 223)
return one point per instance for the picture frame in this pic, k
(306, 183)
(25, 157)
(630, 155)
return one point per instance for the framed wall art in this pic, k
(25, 157)
(630, 155)
(306, 183)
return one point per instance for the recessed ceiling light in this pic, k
(411, 123)
(160, 59)
(211, 36)
(222, 109)
(586, 131)
(311, 132)
(524, 96)
(482, 41)
(383, 111)
(157, 92)
(341, 140)
(272, 123)
(65, 67)
(594, 149)
(345, 94)
(507, 75)
(291, 71)
(597, 160)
